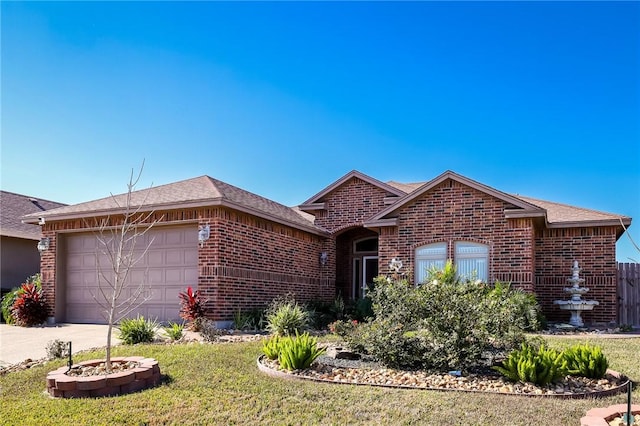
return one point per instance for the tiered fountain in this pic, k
(576, 305)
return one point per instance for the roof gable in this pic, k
(202, 191)
(522, 207)
(315, 202)
(14, 207)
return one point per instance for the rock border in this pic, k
(146, 375)
(597, 394)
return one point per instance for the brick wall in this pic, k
(246, 262)
(594, 249)
(350, 205)
(453, 212)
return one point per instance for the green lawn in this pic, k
(220, 384)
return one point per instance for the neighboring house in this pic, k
(19, 257)
(335, 243)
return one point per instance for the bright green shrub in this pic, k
(286, 317)
(137, 330)
(271, 347)
(586, 361)
(7, 303)
(539, 366)
(299, 352)
(174, 330)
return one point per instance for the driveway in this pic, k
(20, 343)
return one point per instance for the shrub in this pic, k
(174, 330)
(137, 330)
(208, 329)
(191, 306)
(515, 306)
(299, 352)
(286, 317)
(322, 313)
(541, 366)
(586, 361)
(30, 306)
(343, 328)
(271, 347)
(249, 320)
(7, 303)
(448, 322)
(57, 349)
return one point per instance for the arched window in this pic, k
(427, 257)
(472, 260)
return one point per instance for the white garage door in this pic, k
(170, 265)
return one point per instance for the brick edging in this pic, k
(144, 376)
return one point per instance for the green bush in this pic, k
(323, 313)
(174, 330)
(586, 361)
(271, 347)
(286, 317)
(299, 352)
(7, 303)
(448, 322)
(253, 319)
(541, 366)
(137, 330)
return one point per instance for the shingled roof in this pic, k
(557, 215)
(202, 191)
(14, 206)
(563, 215)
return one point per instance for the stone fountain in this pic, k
(576, 305)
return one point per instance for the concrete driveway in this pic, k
(20, 343)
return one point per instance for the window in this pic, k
(471, 260)
(366, 245)
(427, 257)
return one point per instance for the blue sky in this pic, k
(536, 98)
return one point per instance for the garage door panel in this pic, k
(170, 264)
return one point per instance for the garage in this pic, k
(168, 267)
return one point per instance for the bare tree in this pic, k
(117, 253)
(630, 239)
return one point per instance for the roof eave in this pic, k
(626, 221)
(173, 206)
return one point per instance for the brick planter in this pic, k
(146, 375)
(602, 416)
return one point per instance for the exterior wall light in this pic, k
(324, 258)
(43, 244)
(203, 234)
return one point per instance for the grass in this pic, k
(220, 384)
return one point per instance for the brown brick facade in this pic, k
(594, 249)
(246, 262)
(453, 212)
(251, 258)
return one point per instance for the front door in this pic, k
(365, 269)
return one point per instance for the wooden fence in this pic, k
(629, 294)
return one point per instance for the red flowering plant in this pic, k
(191, 306)
(30, 307)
